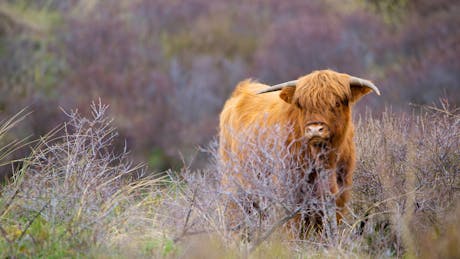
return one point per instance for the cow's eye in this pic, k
(297, 103)
(337, 104)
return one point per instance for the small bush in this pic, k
(71, 192)
(407, 177)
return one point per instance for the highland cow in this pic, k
(314, 112)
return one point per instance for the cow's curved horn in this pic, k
(278, 87)
(364, 82)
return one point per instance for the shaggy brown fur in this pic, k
(322, 96)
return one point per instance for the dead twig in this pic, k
(187, 218)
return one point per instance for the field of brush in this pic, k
(77, 195)
(137, 174)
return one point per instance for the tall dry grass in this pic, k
(75, 195)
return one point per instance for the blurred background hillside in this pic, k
(166, 67)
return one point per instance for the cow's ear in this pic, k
(358, 91)
(287, 93)
(360, 87)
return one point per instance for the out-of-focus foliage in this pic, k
(166, 67)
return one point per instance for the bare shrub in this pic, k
(77, 185)
(269, 191)
(407, 177)
(76, 191)
(406, 182)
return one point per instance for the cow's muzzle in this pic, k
(317, 132)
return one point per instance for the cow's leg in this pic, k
(333, 185)
(344, 181)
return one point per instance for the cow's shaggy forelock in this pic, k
(322, 89)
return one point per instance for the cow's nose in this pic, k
(317, 130)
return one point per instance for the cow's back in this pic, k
(245, 113)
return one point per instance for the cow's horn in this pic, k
(364, 82)
(278, 87)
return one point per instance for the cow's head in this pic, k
(323, 100)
